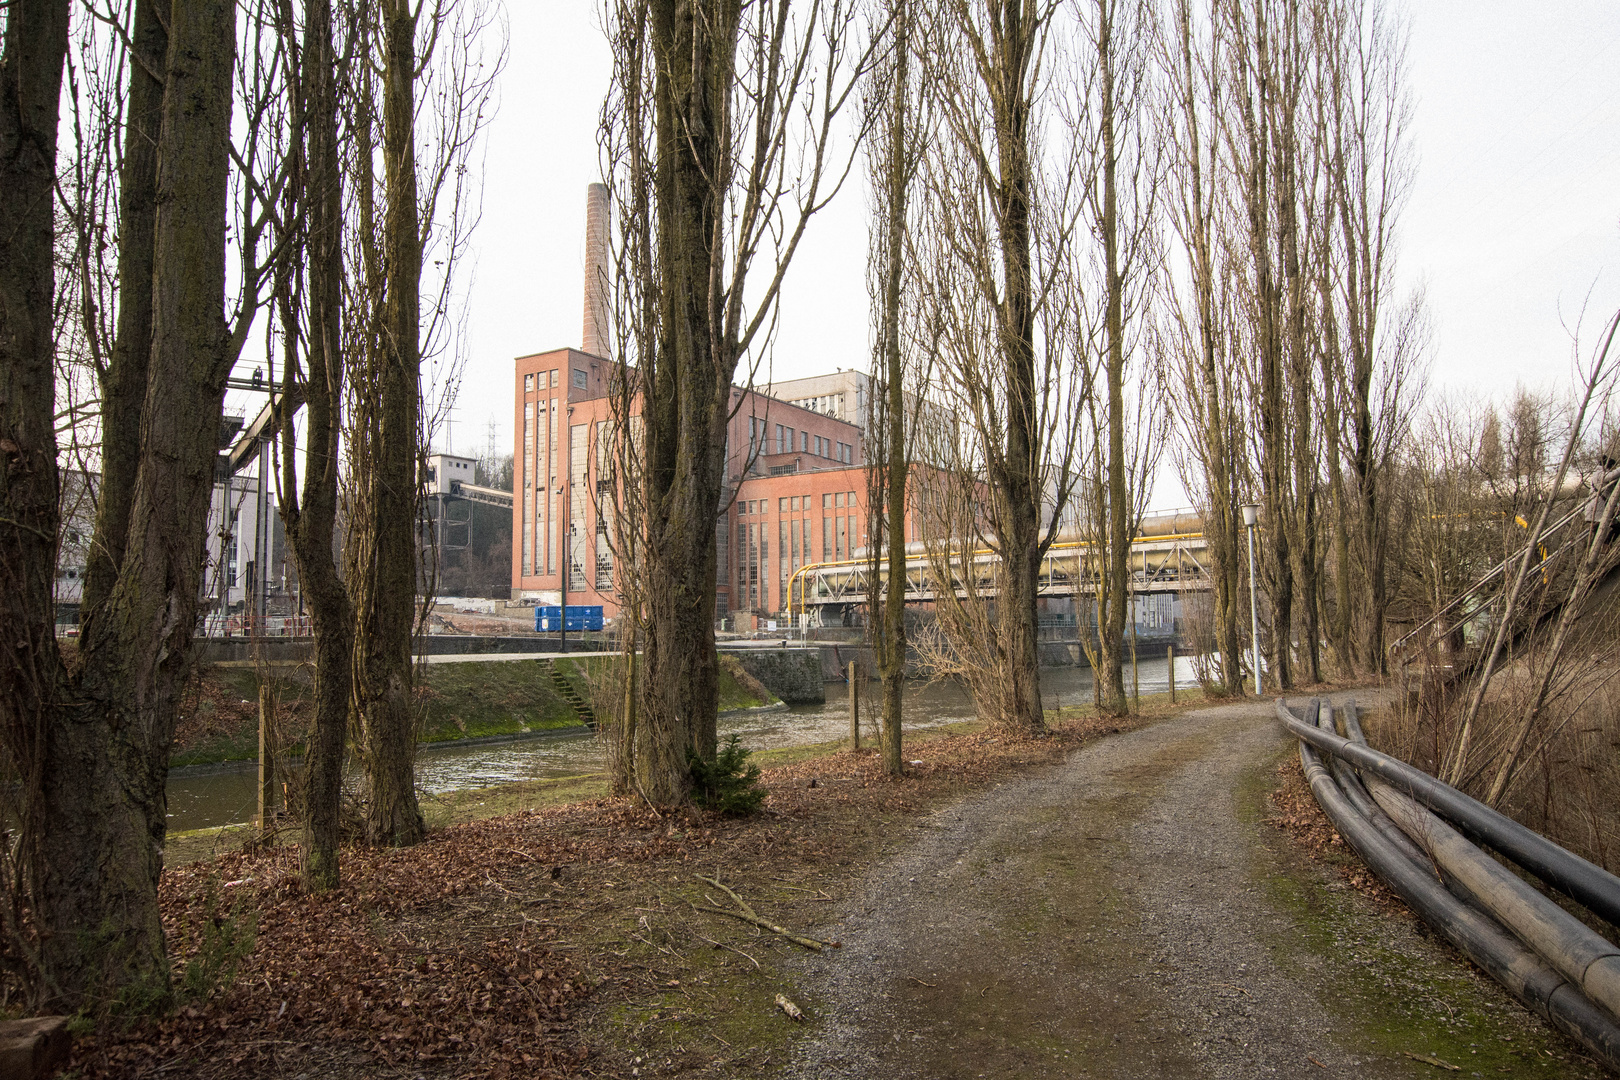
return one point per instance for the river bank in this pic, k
(219, 796)
(459, 702)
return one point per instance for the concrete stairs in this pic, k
(568, 693)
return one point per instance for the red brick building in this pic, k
(794, 480)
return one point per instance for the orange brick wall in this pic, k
(553, 423)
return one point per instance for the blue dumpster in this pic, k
(549, 618)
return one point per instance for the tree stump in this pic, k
(33, 1049)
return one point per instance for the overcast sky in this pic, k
(1513, 226)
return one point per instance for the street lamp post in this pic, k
(1251, 516)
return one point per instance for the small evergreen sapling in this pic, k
(729, 784)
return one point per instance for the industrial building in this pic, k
(795, 485)
(795, 491)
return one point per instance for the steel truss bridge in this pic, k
(1173, 563)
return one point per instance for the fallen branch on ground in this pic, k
(749, 915)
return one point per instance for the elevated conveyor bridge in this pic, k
(1169, 562)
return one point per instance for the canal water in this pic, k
(205, 796)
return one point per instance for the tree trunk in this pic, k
(1111, 634)
(686, 395)
(104, 789)
(123, 385)
(1214, 407)
(1014, 473)
(311, 520)
(31, 672)
(386, 618)
(890, 636)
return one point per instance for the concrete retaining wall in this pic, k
(792, 674)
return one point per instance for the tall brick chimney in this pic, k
(596, 339)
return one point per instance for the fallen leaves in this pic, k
(474, 953)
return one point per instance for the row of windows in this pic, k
(788, 440)
(756, 587)
(826, 404)
(580, 380)
(791, 503)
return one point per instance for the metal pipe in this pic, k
(1524, 974)
(1580, 955)
(1353, 790)
(1568, 944)
(1565, 871)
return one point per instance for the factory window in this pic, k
(528, 383)
(554, 378)
(795, 502)
(804, 444)
(826, 501)
(838, 499)
(781, 447)
(781, 506)
(579, 378)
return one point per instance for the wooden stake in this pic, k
(1170, 654)
(267, 756)
(854, 709)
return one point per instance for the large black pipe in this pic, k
(1580, 955)
(1353, 789)
(1570, 874)
(1524, 974)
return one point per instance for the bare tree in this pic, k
(93, 742)
(1598, 379)
(893, 154)
(313, 315)
(1202, 387)
(1122, 163)
(1376, 386)
(422, 61)
(719, 130)
(1270, 60)
(35, 50)
(1001, 222)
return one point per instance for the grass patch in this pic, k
(507, 697)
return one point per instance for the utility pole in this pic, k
(567, 565)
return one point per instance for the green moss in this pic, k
(586, 671)
(469, 700)
(240, 745)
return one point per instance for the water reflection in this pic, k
(221, 796)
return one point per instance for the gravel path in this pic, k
(1106, 918)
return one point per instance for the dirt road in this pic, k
(1130, 914)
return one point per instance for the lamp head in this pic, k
(1251, 514)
